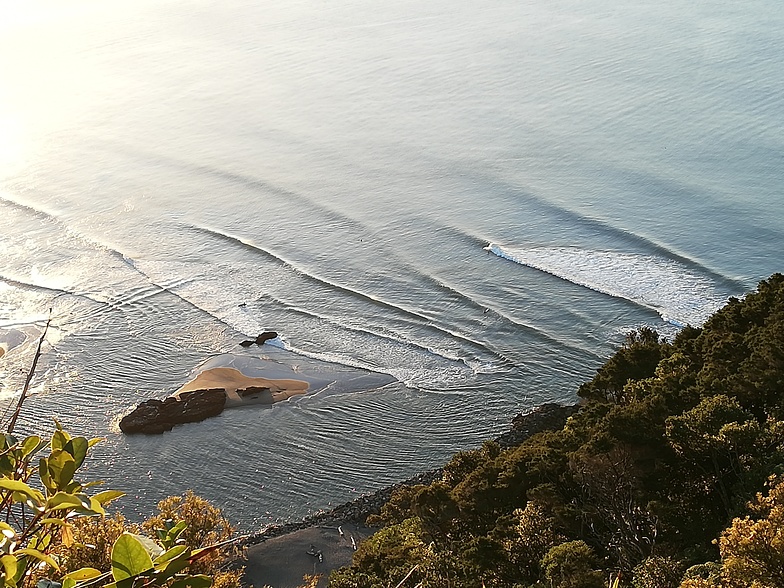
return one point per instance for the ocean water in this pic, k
(450, 211)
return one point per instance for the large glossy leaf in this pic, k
(63, 500)
(9, 568)
(152, 548)
(77, 447)
(62, 468)
(39, 556)
(107, 496)
(129, 558)
(83, 574)
(21, 488)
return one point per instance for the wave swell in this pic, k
(679, 294)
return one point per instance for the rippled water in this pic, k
(450, 212)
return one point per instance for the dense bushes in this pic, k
(657, 470)
(52, 525)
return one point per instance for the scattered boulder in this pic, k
(154, 416)
(265, 336)
(251, 390)
(260, 340)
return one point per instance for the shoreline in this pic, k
(548, 416)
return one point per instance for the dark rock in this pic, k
(260, 340)
(546, 417)
(265, 336)
(154, 416)
(251, 390)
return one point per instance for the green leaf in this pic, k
(39, 556)
(107, 496)
(77, 447)
(94, 441)
(83, 574)
(21, 488)
(152, 548)
(63, 500)
(62, 468)
(129, 558)
(95, 506)
(175, 531)
(173, 561)
(171, 554)
(59, 439)
(43, 473)
(32, 445)
(9, 568)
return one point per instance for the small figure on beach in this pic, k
(315, 552)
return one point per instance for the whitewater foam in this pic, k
(680, 295)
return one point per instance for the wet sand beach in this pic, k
(281, 562)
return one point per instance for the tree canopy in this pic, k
(659, 479)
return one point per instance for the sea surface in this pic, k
(450, 211)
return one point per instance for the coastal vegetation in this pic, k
(671, 474)
(54, 526)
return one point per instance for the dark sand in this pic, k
(282, 561)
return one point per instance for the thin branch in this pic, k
(408, 575)
(29, 379)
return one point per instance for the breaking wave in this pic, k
(678, 293)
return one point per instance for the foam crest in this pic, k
(679, 294)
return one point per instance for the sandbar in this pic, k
(241, 389)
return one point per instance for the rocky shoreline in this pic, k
(546, 417)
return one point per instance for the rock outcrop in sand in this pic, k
(206, 396)
(156, 416)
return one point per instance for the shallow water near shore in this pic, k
(451, 213)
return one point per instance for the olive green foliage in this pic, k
(658, 572)
(672, 441)
(752, 548)
(202, 524)
(94, 538)
(205, 526)
(42, 504)
(572, 565)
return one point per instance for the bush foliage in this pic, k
(55, 533)
(658, 480)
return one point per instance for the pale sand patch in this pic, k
(231, 380)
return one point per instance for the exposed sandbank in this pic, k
(241, 389)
